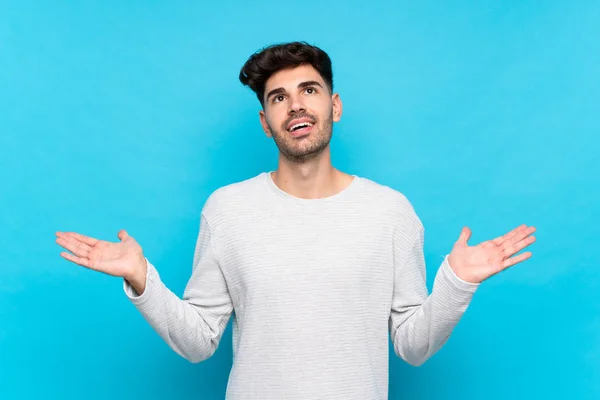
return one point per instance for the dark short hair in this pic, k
(265, 62)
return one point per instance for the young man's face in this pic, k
(299, 112)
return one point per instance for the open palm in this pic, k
(477, 263)
(117, 259)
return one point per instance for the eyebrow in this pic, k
(300, 86)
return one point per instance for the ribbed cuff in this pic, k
(451, 292)
(151, 277)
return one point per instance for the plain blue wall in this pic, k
(128, 114)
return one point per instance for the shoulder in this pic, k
(387, 196)
(234, 197)
(394, 203)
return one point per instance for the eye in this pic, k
(278, 98)
(311, 90)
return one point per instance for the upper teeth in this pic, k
(301, 124)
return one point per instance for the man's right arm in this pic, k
(191, 326)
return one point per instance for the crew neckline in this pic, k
(282, 193)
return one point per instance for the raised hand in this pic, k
(477, 263)
(123, 259)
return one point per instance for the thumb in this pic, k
(465, 235)
(123, 234)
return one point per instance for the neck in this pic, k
(313, 179)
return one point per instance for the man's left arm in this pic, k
(419, 323)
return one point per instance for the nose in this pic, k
(296, 105)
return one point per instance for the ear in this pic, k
(337, 107)
(263, 123)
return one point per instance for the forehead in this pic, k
(292, 77)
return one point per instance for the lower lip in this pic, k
(301, 132)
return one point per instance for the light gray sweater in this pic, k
(315, 286)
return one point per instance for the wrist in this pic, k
(137, 275)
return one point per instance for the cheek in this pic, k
(275, 118)
(322, 109)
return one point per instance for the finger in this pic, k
(76, 247)
(80, 249)
(515, 248)
(509, 262)
(82, 238)
(518, 237)
(464, 237)
(501, 239)
(84, 262)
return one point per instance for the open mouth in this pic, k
(300, 128)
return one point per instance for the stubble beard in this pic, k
(301, 150)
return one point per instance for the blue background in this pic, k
(128, 114)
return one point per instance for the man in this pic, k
(316, 266)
